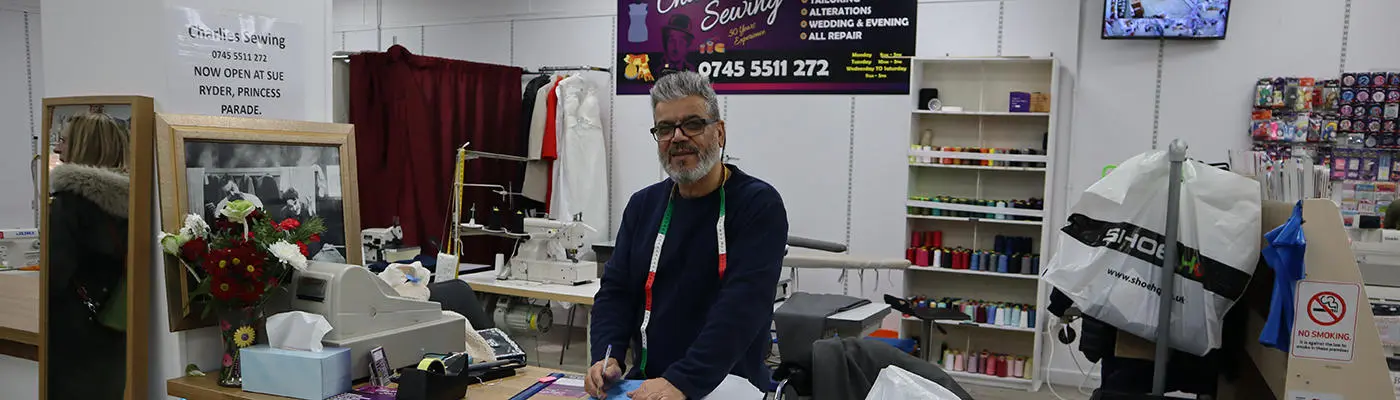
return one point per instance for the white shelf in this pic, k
(982, 113)
(1024, 212)
(981, 86)
(988, 380)
(980, 156)
(971, 219)
(970, 324)
(978, 167)
(972, 272)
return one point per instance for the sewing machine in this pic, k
(550, 254)
(377, 241)
(364, 313)
(19, 248)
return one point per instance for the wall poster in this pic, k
(235, 64)
(769, 46)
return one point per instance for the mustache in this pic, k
(679, 148)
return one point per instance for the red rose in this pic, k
(288, 224)
(255, 215)
(304, 251)
(195, 249)
(223, 225)
(315, 237)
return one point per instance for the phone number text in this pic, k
(764, 68)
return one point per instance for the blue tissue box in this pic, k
(305, 375)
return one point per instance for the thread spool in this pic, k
(958, 360)
(1024, 320)
(921, 257)
(973, 363)
(937, 238)
(936, 258)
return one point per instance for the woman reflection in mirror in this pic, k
(87, 234)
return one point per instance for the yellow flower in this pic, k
(244, 336)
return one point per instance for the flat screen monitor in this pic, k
(1165, 19)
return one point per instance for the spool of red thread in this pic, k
(938, 239)
(916, 239)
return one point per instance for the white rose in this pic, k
(195, 227)
(171, 243)
(289, 254)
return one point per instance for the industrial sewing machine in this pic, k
(385, 244)
(19, 248)
(550, 253)
(364, 313)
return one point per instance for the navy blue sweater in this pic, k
(702, 327)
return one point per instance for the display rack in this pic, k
(981, 88)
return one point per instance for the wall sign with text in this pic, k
(769, 46)
(236, 64)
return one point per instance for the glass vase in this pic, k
(238, 327)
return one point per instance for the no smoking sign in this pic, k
(1324, 323)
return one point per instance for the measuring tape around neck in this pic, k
(656, 258)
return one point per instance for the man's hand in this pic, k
(601, 375)
(656, 389)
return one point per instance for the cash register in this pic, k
(365, 312)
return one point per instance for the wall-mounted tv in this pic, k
(1165, 19)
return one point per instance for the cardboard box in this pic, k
(1040, 102)
(309, 375)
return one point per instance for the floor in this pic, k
(544, 351)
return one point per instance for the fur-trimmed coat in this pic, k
(87, 243)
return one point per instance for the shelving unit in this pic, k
(982, 86)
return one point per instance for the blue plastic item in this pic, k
(1284, 253)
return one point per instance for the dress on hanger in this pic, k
(584, 176)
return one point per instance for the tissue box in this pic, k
(292, 373)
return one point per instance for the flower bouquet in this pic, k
(238, 262)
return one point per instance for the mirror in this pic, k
(95, 232)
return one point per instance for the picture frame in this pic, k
(138, 113)
(292, 169)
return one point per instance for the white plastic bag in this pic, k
(410, 280)
(894, 383)
(1102, 256)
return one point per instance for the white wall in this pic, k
(848, 145)
(20, 108)
(19, 78)
(1106, 97)
(133, 52)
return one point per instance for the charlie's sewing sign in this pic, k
(769, 46)
(1324, 323)
(238, 64)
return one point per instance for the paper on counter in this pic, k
(297, 330)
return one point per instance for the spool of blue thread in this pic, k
(1015, 316)
(973, 265)
(1031, 315)
(1035, 265)
(1001, 263)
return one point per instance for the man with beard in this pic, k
(690, 284)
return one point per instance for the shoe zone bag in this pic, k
(1108, 258)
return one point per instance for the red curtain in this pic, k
(411, 114)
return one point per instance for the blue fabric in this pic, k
(1284, 253)
(702, 328)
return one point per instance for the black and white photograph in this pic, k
(285, 181)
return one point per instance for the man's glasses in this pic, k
(690, 128)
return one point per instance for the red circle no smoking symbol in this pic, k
(1326, 308)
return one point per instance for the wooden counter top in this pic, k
(19, 307)
(19, 314)
(207, 388)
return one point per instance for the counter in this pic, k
(19, 314)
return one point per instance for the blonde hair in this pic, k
(99, 140)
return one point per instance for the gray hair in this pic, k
(681, 84)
